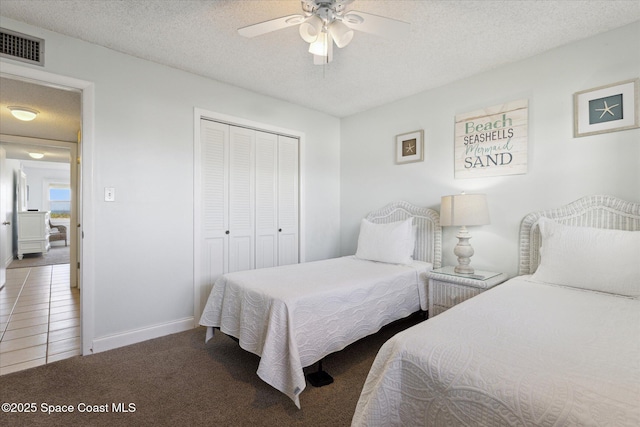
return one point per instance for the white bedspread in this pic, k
(292, 316)
(522, 354)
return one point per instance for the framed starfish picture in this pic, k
(606, 109)
(410, 147)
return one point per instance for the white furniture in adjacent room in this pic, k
(33, 232)
(448, 288)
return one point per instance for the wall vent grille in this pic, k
(21, 47)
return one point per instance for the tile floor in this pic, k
(39, 318)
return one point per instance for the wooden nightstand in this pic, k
(448, 288)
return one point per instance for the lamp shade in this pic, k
(340, 33)
(311, 28)
(319, 47)
(464, 209)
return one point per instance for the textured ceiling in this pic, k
(59, 110)
(59, 115)
(448, 41)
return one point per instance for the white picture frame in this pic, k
(410, 147)
(607, 108)
(492, 141)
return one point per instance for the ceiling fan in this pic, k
(325, 22)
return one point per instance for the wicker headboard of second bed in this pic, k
(591, 211)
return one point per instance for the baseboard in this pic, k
(132, 337)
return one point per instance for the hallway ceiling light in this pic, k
(35, 155)
(23, 113)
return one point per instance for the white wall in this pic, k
(561, 168)
(143, 147)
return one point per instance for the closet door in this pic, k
(288, 209)
(266, 200)
(214, 198)
(249, 193)
(241, 199)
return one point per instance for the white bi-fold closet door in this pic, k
(276, 198)
(249, 198)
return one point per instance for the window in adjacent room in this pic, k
(60, 200)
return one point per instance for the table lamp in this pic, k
(464, 210)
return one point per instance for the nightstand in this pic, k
(448, 288)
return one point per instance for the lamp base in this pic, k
(464, 252)
(463, 269)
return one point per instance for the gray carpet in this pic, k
(55, 255)
(178, 380)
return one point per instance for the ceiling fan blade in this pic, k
(375, 24)
(271, 25)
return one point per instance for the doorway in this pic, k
(82, 258)
(41, 146)
(41, 302)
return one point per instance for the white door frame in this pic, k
(198, 115)
(86, 211)
(5, 224)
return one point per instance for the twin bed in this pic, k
(557, 345)
(293, 316)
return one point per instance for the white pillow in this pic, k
(595, 259)
(392, 243)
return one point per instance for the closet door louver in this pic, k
(266, 200)
(241, 199)
(214, 197)
(288, 209)
(227, 183)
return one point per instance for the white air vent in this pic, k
(21, 47)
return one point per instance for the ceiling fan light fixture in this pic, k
(320, 46)
(328, 57)
(23, 113)
(340, 33)
(311, 29)
(325, 22)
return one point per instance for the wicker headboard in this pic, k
(427, 221)
(592, 211)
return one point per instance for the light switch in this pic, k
(109, 194)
